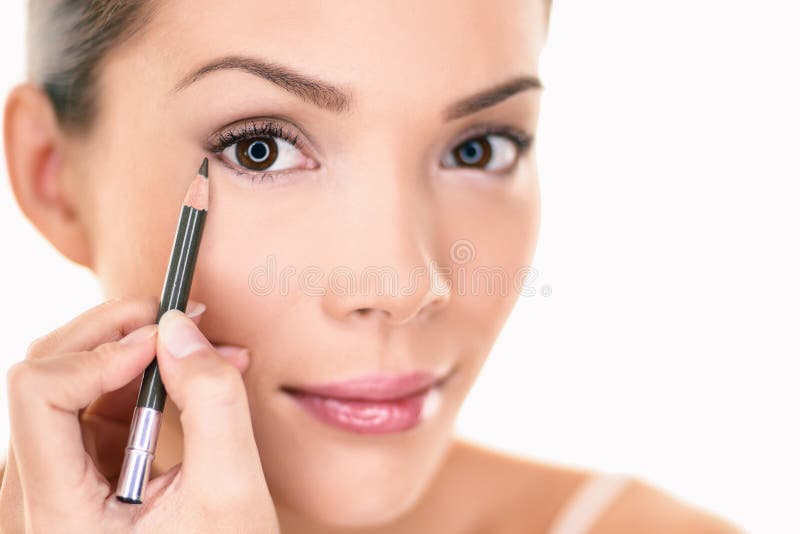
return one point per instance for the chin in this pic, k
(363, 504)
(338, 479)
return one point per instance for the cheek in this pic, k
(253, 248)
(490, 243)
(133, 234)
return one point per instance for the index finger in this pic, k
(109, 321)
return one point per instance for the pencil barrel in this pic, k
(174, 295)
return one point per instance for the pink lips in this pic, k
(372, 404)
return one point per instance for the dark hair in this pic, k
(66, 43)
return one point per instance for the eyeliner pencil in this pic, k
(146, 421)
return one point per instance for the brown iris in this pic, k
(257, 153)
(474, 152)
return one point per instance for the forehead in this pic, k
(386, 49)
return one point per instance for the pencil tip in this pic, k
(197, 194)
(204, 168)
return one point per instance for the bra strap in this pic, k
(584, 507)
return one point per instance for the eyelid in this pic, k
(254, 127)
(520, 137)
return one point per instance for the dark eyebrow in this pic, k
(339, 99)
(491, 96)
(318, 92)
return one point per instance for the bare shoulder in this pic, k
(514, 491)
(522, 494)
(644, 507)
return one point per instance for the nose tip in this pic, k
(394, 307)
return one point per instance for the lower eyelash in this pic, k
(252, 176)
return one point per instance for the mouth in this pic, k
(373, 404)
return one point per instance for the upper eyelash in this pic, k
(519, 137)
(250, 130)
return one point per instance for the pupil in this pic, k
(258, 151)
(471, 152)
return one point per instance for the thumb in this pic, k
(220, 454)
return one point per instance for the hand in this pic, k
(70, 403)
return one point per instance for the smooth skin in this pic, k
(368, 188)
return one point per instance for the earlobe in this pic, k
(34, 158)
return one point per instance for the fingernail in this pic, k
(229, 351)
(139, 335)
(193, 309)
(180, 335)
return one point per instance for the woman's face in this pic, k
(380, 243)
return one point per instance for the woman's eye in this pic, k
(265, 154)
(488, 152)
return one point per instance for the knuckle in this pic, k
(34, 347)
(112, 304)
(40, 346)
(113, 300)
(105, 306)
(20, 379)
(104, 350)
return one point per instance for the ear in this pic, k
(34, 145)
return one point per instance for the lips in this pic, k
(371, 404)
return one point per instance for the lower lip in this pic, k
(369, 416)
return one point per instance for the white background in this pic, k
(668, 150)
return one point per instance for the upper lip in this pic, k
(373, 387)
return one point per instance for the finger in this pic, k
(236, 356)
(158, 484)
(117, 406)
(195, 310)
(106, 322)
(220, 457)
(44, 397)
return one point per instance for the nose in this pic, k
(392, 294)
(386, 270)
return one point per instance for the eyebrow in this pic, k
(318, 92)
(339, 99)
(491, 96)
